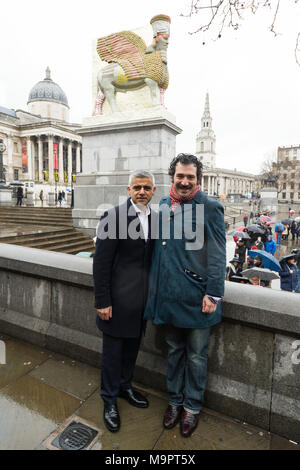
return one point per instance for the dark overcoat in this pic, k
(288, 281)
(121, 269)
(180, 277)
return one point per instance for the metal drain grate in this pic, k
(76, 436)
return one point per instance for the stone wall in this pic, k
(46, 298)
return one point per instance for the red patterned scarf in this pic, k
(176, 200)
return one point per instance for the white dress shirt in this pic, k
(143, 216)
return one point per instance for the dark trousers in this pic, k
(118, 362)
(19, 201)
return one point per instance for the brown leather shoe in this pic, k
(188, 423)
(171, 416)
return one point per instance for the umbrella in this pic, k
(287, 221)
(287, 257)
(269, 261)
(255, 228)
(241, 234)
(266, 218)
(263, 274)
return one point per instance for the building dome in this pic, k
(48, 90)
(48, 100)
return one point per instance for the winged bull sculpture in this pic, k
(133, 65)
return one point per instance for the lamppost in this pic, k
(2, 169)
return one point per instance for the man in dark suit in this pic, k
(121, 266)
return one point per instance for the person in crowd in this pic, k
(259, 244)
(270, 245)
(233, 269)
(296, 252)
(186, 289)
(121, 267)
(293, 230)
(240, 251)
(60, 198)
(254, 281)
(289, 274)
(41, 196)
(20, 195)
(245, 220)
(285, 233)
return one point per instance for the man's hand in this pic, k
(105, 313)
(208, 306)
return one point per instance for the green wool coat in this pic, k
(180, 277)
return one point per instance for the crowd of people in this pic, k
(260, 237)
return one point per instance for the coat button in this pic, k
(164, 243)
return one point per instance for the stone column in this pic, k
(61, 161)
(29, 158)
(70, 162)
(208, 185)
(78, 158)
(40, 152)
(10, 169)
(50, 158)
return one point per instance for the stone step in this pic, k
(74, 247)
(35, 236)
(46, 243)
(54, 221)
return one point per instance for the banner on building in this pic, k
(24, 156)
(55, 156)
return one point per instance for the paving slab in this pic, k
(29, 411)
(72, 377)
(21, 358)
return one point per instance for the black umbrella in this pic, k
(241, 235)
(287, 221)
(240, 279)
(286, 258)
(255, 228)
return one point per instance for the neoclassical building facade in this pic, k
(218, 181)
(41, 145)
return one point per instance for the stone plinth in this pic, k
(269, 199)
(30, 199)
(114, 146)
(5, 197)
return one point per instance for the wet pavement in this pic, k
(41, 391)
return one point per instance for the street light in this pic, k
(2, 169)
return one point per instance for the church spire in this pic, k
(206, 109)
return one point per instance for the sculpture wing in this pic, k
(126, 49)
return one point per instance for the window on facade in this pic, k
(202, 146)
(16, 150)
(292, 185)
(292, 175)
(284, 176)
(299, 195)
(16, 175)
(284, 186)
(291, 195)
(283, 195)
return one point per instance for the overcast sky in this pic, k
(251, 76)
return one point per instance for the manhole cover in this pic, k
(76, 436)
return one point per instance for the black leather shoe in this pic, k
(171, 416)
(111, 417)
(134, 397)
(188, 423)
